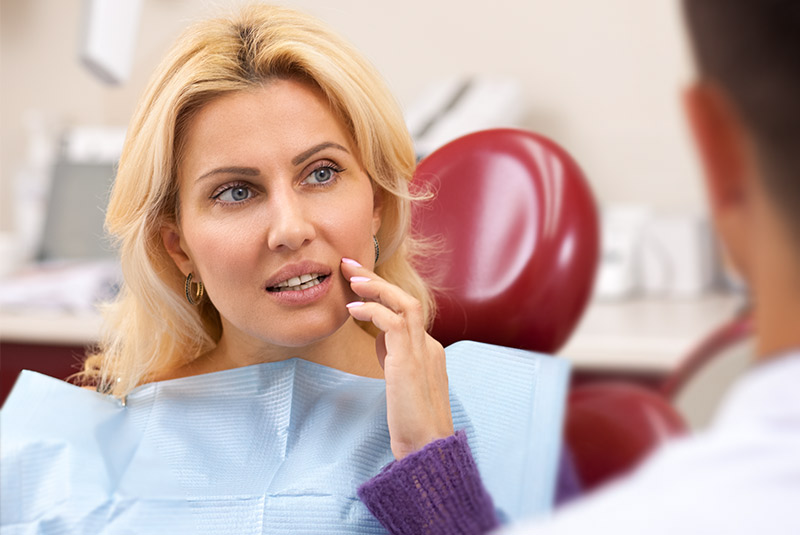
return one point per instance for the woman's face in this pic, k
(272, 196)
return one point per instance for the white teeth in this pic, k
(299, 283)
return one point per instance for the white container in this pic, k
(678, 256)
(621, 236)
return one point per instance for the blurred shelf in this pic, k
(49, 327)
(639, 335)
(647, 335)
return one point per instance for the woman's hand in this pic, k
(417, 397)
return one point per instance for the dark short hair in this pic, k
(751, 49)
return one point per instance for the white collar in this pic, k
(769, 394)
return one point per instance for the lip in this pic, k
(300, 297)
(295, 270)
(303, 297)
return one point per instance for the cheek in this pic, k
(219, 253)
(351, 227)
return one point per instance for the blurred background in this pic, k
(602, 79)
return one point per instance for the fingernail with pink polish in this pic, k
(351, 262)
(354, 304)
(359, 279)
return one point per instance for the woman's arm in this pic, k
(436, 490)
(434, 485)
(417, 393)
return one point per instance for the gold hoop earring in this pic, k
(377, 248)
(198, 293)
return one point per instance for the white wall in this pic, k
(602, 78)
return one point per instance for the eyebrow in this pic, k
(305, 155)
(246, 171)
(252, 171)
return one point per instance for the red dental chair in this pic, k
(699, 384)
(517, 237)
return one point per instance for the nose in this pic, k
(290, 225)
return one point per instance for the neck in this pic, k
(776, 290)
(777, 321)
(349, 349)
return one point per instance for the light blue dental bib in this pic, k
(270, 448)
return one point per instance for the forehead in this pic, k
(273, 122)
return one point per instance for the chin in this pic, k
(298, 336)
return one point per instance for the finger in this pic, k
(352, 268)
(396, 300)
(389, 295)
(380, 348)
(384, 319)
(394, 338)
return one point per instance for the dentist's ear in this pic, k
(173, 243)
(728, 160)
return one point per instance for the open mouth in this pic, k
(296, 284)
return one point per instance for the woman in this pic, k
(262, 211)
(257, 181)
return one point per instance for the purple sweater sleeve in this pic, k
(436, 490)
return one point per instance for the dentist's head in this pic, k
(745, 113)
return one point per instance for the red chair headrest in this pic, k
(612, 426)
(519, 239)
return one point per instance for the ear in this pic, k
(173, 243)
(377, 209)
(727, 157)
(721, 140)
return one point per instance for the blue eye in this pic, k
(235, 194)
(322, 175)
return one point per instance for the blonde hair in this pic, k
(151, 328)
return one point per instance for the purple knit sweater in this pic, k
(438, 490)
